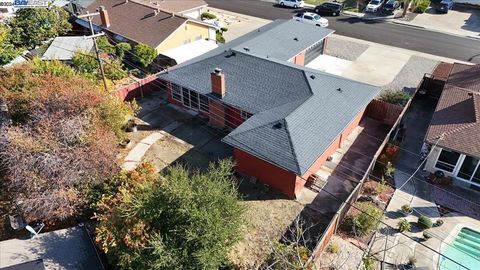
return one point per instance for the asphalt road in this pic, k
(416, 39)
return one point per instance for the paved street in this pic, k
(411, 38)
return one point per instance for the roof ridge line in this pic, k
(290, 142)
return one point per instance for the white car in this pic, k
(374, 6)
(311, 18)
(291, 3)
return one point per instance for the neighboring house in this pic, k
(455, 128)
(64, 48)
(287, 119)
(137, 22)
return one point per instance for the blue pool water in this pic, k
(465, 249)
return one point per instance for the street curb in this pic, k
(393, 21)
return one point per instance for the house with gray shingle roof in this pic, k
(285, 119)
(455, 127)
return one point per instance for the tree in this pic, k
(105, 46)
(177, 220)
(114, 70)
(121, 48)
(144, 54)
(59, 144)
(32, 26)
(7, 50)
(85, 62)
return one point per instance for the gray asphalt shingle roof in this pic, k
(64, 48)
(298, 112)
(285, 41)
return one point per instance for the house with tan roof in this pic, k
(163, 25)
(455, 127)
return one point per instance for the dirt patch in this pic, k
(268, 215)
(347, 255)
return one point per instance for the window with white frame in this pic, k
(204, 103)
(176, 92)
(245, 115)
(470, 170)
(447, 160)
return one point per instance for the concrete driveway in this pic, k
(461, 20)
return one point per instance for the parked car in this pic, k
(390, 6)
(374, 6)
(292, 3)
(442, 6)
(329, 8)
(311, 18)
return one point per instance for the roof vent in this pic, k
(246, 49)
(217, 70)
(470, 94)
(296, 39)
(278, 125)
(339, 89)
(312, 77)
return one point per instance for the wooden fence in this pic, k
(352, 198)
(384, 112)
(137, 89)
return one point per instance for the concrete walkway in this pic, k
(135, 155)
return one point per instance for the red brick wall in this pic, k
(265, 172)
(233, 117)
(217, 113)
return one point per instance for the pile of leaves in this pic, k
(61, 141)
(177, 220)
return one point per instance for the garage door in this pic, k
(313, 52)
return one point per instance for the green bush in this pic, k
(394, 97)
(105, 46)
(52, 67)
(114, 70)
(369, 263)
(219, 37)
(425, 222)
(368, 219)
(85, 63)
(422, 6)
(115, 113)
(439, 223)
(333, 248)
(406, 208)
(144, 54)
(121, 48)
(208, 16)
(427, 235)
(288, 257)
(404, 225)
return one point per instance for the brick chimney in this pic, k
(104, 16)
(218, 83)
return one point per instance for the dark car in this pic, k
(390, 7)
(442, 6)
(329, 8)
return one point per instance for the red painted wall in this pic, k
(134, 90)
(265, 172)
(299, 59)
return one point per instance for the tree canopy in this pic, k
(176, 220)
(7, 50)
(144, 54)
(61, 140)
(32, 26)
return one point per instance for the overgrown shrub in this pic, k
(394, 97)
(114, 70)
(144, 54)
(53, 67)
(177, 220)
(86, 63)
(208, 16)
(367, 221)
(105, 46)
(369, 263)
(422, 6)
(121, 48)
(425, 222)
(7, 51)
(288, 257)
(404, 225)
(58, 146)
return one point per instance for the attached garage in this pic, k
(314, 51)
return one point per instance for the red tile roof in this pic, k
(442, 70)
(456, 121)
(137, 21)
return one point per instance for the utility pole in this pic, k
(93, 36)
